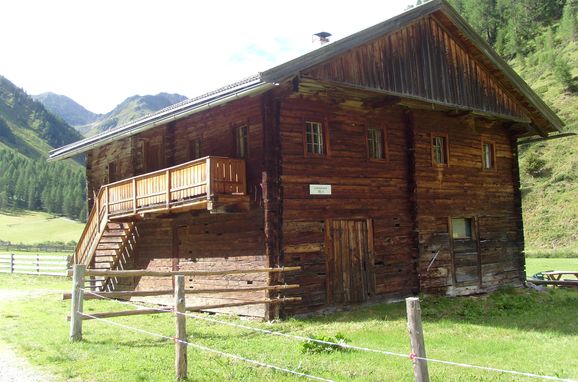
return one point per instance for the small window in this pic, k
(241, 136)
(314, 138)
(375, 143)
(488, 156)
(112, 172)
(440, 150)
(153, 157)
(195, 149)
(462, 228)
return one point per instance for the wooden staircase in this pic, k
(110, 235)
(113, 251)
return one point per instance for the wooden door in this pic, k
(349, 261)
(465, 246)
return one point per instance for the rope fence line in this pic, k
(211, 350)
(411, 357)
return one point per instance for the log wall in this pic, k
(205, 243)
(464, 189)
(425, 61)
(361, 189)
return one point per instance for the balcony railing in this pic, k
(189, 184)
(172, 187)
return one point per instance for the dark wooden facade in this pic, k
(392, 226)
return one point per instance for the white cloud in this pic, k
(100, 52)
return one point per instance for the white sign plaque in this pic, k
(319, 189)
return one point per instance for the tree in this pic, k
(569, 23)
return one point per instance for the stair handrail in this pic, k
(92, 228)
(101, 210)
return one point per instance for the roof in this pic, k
(270, 78)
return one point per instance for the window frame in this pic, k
(194, 145)
(384, 148)
(112, 172)
(446, 149)
(236, 131)
(324, 137)
(472, 224)
(492, 144)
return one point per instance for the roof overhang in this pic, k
(245, 88)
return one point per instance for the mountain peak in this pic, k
(72, 112)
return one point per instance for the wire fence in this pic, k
(211, 350)
(412, 357)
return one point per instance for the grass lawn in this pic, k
(35, 227)
(535, 265)
(496, 330)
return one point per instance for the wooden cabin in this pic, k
(384, 164)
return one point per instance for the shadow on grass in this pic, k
(554, 310)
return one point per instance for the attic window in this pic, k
(314, 138)
(488, 156)
(440, 150)
(375, 143)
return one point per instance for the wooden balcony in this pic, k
(207, 183)
(216, 184)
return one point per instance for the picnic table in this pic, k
(557, 275)
(555, 279)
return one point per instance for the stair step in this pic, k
(107, 246)
(114, 234)
(111, 239)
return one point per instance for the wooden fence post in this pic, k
(11, 263)
(77, 302)
(181, 326)
(415, 329)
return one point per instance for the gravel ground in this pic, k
(14, 368)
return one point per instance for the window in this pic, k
(462, 228)
(375, 143)
(241, 134)
(112, 172)
(152, 155)
(488, 156)
(195, 149)
(440, 150)
(314, 138)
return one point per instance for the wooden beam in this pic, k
(414, 326)
(181, 329)
(136, 312)
(163, 292)
(554, 282)
(77, 303)
(144, 272)
(563, 135)
(242, 303)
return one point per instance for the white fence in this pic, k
(53, 265)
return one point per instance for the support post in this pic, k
(181, 326)
(208, 178)
(11, 263)
(77, 302)
(416, 338)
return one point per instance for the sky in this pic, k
(101, 52)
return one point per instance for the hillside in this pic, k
(26, 126)
(23, 228)
(550, 169)
(130, 109)
(27, 132)
(73, 113)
